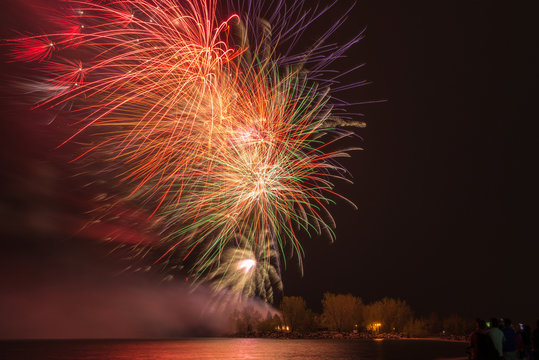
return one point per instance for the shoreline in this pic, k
(346, 336)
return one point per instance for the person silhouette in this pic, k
(527, 341)
(481, 343)
(496, 335)
(510, 343)
(535, 341)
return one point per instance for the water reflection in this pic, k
(255, 349)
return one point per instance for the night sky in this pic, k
(443, 209)
(444, 220)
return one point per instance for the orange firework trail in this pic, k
(202, 118)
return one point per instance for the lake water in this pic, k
(253, 349)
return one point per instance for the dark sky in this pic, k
(444, 212)
(440, 186)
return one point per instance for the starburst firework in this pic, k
(204, 121)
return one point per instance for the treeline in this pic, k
(348, 313)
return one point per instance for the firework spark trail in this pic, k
(241, 270)
(268, 172)
(205, 121)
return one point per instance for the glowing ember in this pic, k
(246, 265)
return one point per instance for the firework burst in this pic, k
(205, 122)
